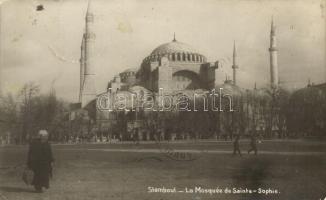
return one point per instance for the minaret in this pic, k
(88, 89)
(273, 57)
(234, 65)
(82, 67)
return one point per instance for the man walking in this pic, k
(253, 145)
(236, 146)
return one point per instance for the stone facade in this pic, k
(173, 66)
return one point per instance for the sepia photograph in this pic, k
(162, 99)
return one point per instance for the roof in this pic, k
(174, 47)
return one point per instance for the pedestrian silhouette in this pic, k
(253, 145)
(236, 146)
(40, 160)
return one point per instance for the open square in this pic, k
(125, 171)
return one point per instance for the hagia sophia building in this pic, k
(174, 66)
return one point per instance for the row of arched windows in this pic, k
(126, 74)
(179, 57)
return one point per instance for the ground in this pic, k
(296, 169)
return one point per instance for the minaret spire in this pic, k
(88, 6)
(89, 14)
(234, 64)
(272, 26)
(273, 56)
(88, 87)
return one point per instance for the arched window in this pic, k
(188, 57)
(183, 57)
(173, 57)
(178, 57)
(170, 56)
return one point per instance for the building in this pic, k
(173, 68)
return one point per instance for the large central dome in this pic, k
(173, 47)
(176, 52)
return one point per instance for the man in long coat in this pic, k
(40, 161)
(236, 146)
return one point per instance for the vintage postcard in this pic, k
(162, 99)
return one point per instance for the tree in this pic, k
(29, 111)
(9, 117)
(29, 91)
(275, 108)
(307, 108)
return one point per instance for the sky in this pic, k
(44, 46)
